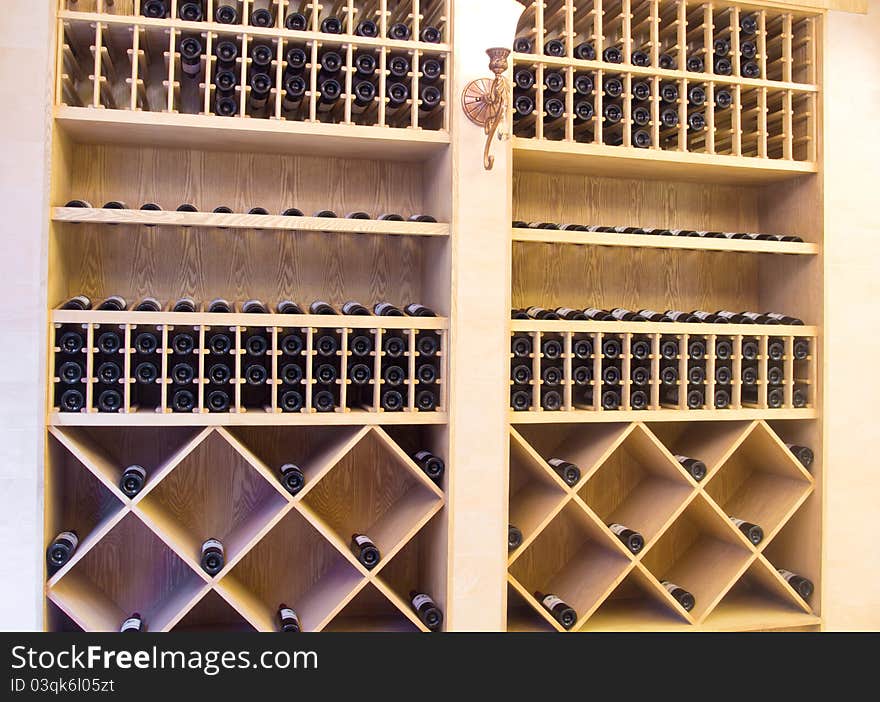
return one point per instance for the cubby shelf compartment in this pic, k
(643, 241)
(246, 221)
(630, 476)
(142, 554)
(760, 481)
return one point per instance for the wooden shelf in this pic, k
(614, 161)
(246, 221)
(256, 419)
(670, 415)
(662, 242)
(96, 126)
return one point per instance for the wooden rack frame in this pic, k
(111, 58)
(268, 534)
(163, 326)
(795, 373)
(631, 477)
(771, 118)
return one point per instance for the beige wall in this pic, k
(24, 66)
(852, 259)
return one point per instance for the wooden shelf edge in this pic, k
(647, 417)
(246, 221)
(151, 419)
(103, 126)
(562, 326)
(647, 241)
(561, 157)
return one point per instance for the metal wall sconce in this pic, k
(486, 101)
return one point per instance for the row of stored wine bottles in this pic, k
(612, 371)
(180, 368)
(619, 109)
(287, 212)
(650, 231)
(620, 314)
(364, 18)
(187, 305)
(254, 76)
(673, 35)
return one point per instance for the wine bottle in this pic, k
(521, 400)
(782, 319)
(611, 348)
(582, 348)
(133, 479)
(667, 62)
(432, 70)
(426, 400)
(723, 375)
(696, 122)
(640, 376)
(633, 540)
(330, 91)
(386, 309)
(613, 87)
(799, 583)
(365, 551)
(72, 373)
(399, 32)
(723, 349)
(80, 303)
(296, 22)
(722, 66)
(552, 376)
(292, 478)
(682, 596)
(624, 315)
(432, 465)
(61, 549)
(226, 13)
(331, 25)
(262, 17)
(803, 454)
(551, 349)
(753, 532)
(520, 374)
(612, 54)
(109, 373)
(213, 556)
(695, 467)
(722, 398)
(132, 624)
(696, 349)
(427, 610)
(774, 375)
(638, 400)
(521, 346)
(669, 92)
(551, 400)
(748, 49)
(114, 303)
(431, 35)
(694, 64)
(296, 60)
(514, 537)
(288, 621)
(154, 9)
(682, 317)
(585, 51)
(367, 28)
(319, 307)
(569, 472)
(640, 58)
(294, 91)
(261, 86)
(561, 612)
(291, 401)
(611, 375)
(522, 45)
(415, 309)
(541, 313)
(146, 373)
(191, 12)
(750, 69)
(191, 56)
(554, 47)
(183, 401)
(748, 25)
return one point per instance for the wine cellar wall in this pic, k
(274, 325)
(249, 295)
(666, 336)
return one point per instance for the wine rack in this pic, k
(630, 476)
(279, 548)
(622, 414)
(627, 79)
(305, 366)
(659, 367)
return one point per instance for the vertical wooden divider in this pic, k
(683, 359)
(310, 362)
(479, 345)
(536, 371)
(201, 350)
(412, 382)
(377, 372)
(655, 383)
(163, 371)
(626, 371)
(788, 372)
(710, 370)
(239, 351)
(762, 372)
(126, 368)
(736, 385)
(343, 370)
(567, 372)
(597, 373)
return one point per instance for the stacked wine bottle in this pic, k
(397, 78)
(369, 360)
(666, 76)
(684, 368)
(651, 231)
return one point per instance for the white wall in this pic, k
(852, 259)
(24, 128)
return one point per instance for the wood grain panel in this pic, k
(554, 275)
(172, 262)
(213, 613)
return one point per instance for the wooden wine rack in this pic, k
(224, 483)
(756, 167)
(771, 117)
(128, 128)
